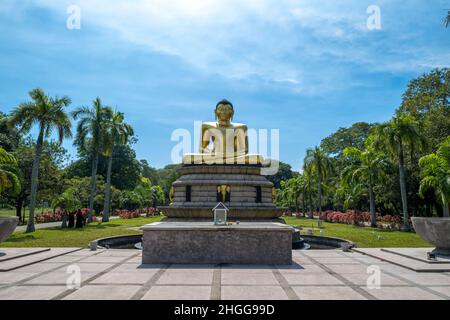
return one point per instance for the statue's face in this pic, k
(224, 112)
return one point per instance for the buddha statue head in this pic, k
(224, 112)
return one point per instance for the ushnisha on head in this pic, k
(224, 111)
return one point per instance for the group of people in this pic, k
(80, 219)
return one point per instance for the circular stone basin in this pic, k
(435, 231)
(7, 227)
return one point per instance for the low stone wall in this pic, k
(202, 242)
(326, 242)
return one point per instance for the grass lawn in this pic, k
(57, 237)
(363, 237)
(7, 212)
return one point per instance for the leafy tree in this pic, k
(355, 136)
(284, 173)
(117, 132)
(125, 171)
(9, 136)
(436, 174)
(394, 136)
(91, 135)
(319, 163)
(49, 114)
(427, 100)
(8, 172)
(364, 169)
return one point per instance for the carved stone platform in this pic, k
(195, 193)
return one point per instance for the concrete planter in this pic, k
(436, 231)
(7, 227)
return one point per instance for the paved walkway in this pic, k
(315, 274)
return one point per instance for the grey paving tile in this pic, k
(427, 279)
(443, 290)
(124, 278)
(31, 292)
(58, 278)
(103, 293)
(360, 279)
(311, 279)
(40, 267)
(247, 278)
(178, 293)
(253, 293)
(402, 293)
(335, 260)
(327, 293)
(11, 276)
(186, 277)
(103, 259)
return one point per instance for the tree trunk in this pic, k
(296, 202)
(303, 203)
(34, 180)
(319, 188)
(107, 191)
(64, 220)
(401, 167)
(373, 218)
(311, 213)
(93, 185)
(445, 207)
(19, 205)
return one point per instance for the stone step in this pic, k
(23, 261)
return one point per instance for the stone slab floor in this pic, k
(315, 274)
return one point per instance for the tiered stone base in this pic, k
(203, 181)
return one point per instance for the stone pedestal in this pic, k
(202, 242)
(195, 193)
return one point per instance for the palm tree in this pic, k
(318, 161)
(308, 187)
(8, 172)
(365, 168)
(49, 114)
(117, 132)
(67, 202)
(394, 136)
(91, 135)
(436, 174)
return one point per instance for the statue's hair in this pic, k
(224, 101)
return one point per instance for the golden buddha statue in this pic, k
(223, 142)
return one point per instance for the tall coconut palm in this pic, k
(48, 114)
(91, 136)
(394, 136)
(309, 187)
(117, 132)
(8, 172)
(436, 174)
(365, 168)
(318, 161)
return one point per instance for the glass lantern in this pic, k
(220, 214)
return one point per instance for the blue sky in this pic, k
(304, 67)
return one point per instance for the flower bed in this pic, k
(360, 218)
(130, 214)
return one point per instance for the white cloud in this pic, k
(286, 41)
